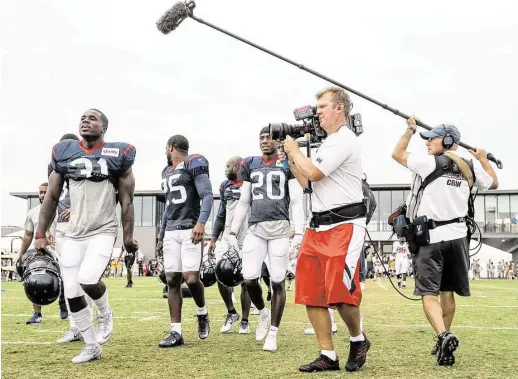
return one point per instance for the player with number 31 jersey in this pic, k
(269, 188)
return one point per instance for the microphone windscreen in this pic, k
(172, 18)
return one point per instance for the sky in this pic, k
(445, 61)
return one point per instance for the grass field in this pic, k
(486, 324)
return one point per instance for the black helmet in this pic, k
(228, 269)
(41, 278)
(19, 268)
(160, 267)
(207, 270)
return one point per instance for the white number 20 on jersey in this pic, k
(269, 184)
(180, 189)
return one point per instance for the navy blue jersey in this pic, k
(183, 202)
(91, 175)
(270, 191)
(64, 198)
(229, 194)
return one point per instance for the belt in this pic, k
(432, 224)
(339, 214)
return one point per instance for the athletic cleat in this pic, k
(71, 335)
(357, 354)
(270, 343)
(90, 352)
(63, 311)
(254, 311)
(230, 319)
(437, 346)
(322, 363)
(446, 353)
(244, 328)
(203, 326)
(262, 326)
(104, 327)
(311, 331)
(172, 340)
(36, 318)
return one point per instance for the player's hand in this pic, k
(294, 246)
(65, 216)
(232, 242)
(479, 154)
(212, 247)
(290, 146)
(198, 233)
(42, 245)
(131, 246)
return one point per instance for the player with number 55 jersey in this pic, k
(185, 181)
(269, 188)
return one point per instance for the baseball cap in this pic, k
(440, 131)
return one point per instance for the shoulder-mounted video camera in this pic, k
(310, 124)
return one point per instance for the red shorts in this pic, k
(322, 277)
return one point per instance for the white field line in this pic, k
(26, 343)
(382, 286)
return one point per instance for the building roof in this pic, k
(375, 187)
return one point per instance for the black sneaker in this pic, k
(63, 311)
(172, 340)
(448, 344)
(203, 326)
(322, 363)
(437, 346)
(357, 354)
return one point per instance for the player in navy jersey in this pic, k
(97, 173)
(229, 192)
(268, 189)
(185, 181)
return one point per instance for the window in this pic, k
(385, 208)
(33, 202)
(490, 213)
(514, 213)
(503, 217)
(479, 212)
(137, 205)
(397, 199)
(148, 210)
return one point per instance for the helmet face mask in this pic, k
(228, 269)
(207, 271)
(41, 278)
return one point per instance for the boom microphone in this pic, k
(180, 11)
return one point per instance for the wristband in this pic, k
(412, 129)
(38, 236)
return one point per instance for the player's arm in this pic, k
(204, 189)
(27, 237)
(219, 222)
(161, 232)
(126, 187)
(48, 208)
(242, 207)
(297, 207)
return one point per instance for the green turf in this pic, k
(486, 324)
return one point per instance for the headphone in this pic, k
(447, 140)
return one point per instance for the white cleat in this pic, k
(311, 331)
(270, 343)
(229, 322)
(262, 326)
(104, 327)
(90, 352)
(71, 335)
(254, 311)
(244, 328)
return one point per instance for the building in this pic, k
(496, 213)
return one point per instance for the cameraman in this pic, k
(441, 266)
(335, 238)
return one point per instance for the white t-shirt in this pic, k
(339, 159)
(446, 198)
(31, 224)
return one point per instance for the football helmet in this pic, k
(228, 269)
(207, 270)
(41, 278)
(160, 267)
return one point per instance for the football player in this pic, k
(98, 174)
(401, 251)
(230, 191)
(129, 260)
(185, 181)
(268, 188)
(30, 226)
(63, 216)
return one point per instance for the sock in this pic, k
(332, 314)
(404, 284)
(176, 327)
(273, 331)
(102, 303)
(201, 311)
(358, 338)
(83, 320)
(331, 354)
(263, 312)
(233, 311)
